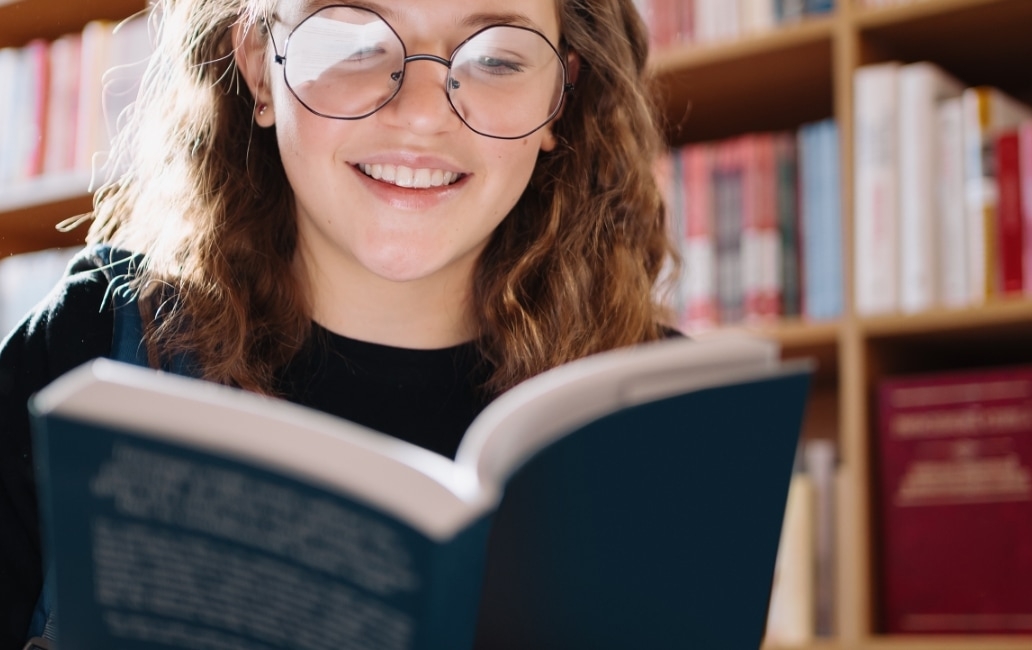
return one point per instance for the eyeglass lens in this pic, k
(347, 62)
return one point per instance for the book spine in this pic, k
(1025, 168)
(832, 192)
(808, 231)
(953, 253)
(727, 193)
(876, 236)
(700, 238)
(761, 242)
(790, 620)
(37, 60)
(786, 166)
(820, 463)
(955, 478)
(1009, 227)
(921, 87)
(91, 132)
(63, 107)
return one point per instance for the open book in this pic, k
(630, 499)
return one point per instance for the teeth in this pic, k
(408, 177)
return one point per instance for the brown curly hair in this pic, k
(571, 271)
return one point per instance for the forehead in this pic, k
(538, 14)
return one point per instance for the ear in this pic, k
(250, 52)
(573, 62)
(548, 141)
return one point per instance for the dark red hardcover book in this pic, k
(1008, 213)
(955, 502)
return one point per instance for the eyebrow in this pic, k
(472, 21)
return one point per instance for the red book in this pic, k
(955, 507)
(699, 240)
(761, 240)
(1025, 168)
(1011, 274)
(37, 59)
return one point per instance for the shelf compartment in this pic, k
(767, 82)
(979, 41)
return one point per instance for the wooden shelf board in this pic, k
(910, 11)
(24, 20)
(790, 333)
(772, 81)
(996, 314)
(30, 213)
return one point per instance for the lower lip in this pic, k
(409, 198)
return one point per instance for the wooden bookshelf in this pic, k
(804, 73)
(774, 81)
(30, 213)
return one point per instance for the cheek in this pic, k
(516, 166)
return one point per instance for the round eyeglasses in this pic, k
(346, 63)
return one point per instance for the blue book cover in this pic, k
(822, 220)
(629, 499)
(833, 211)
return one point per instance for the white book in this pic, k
(790, 621)
(875, 220)
(91, 133)
(987, 111)
(757, 16)
(921, 87)
(953, 253)
(128, 54)
(8, 66)
(706, 20)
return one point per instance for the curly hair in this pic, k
(571, 271)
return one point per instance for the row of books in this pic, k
(706, 21)
(758, 222)
(61, 100)
(943, 188)
(954, 479)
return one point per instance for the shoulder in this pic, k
(74, 322)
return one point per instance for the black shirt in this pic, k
(427, 397)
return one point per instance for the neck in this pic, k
(428, 313)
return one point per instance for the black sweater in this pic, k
(427, 397)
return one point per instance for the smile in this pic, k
(407, 176)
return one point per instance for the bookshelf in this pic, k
(797, 74)
(803, 72)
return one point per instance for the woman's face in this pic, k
(408, 193)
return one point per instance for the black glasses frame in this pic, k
(281, 59)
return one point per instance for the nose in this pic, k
(421, 105)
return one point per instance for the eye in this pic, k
(498, 65)
(366, 53)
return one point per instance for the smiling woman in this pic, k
(390, 211)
